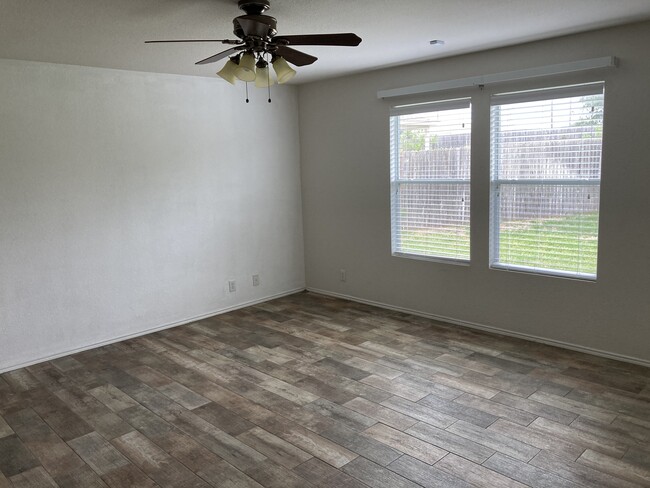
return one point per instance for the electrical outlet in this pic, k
(256, 280)
(232, 286)
(344, 275)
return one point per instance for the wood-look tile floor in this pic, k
(309, 391)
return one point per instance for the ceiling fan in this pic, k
(258, 45)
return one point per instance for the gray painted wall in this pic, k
(127, 200)
(346, 201)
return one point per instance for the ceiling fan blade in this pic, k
(223, 41)
(221, 55)
(347, 39)
(295, 57)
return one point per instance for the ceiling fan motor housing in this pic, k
(256, 26)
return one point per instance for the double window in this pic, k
(545, 159)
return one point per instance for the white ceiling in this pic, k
(111, 33)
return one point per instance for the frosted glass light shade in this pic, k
(228, 72)
(263, 78)
(283, 70)
(246, 69)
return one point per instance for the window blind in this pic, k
(430, 180)
(545, 180)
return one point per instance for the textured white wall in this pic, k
(127, 200)
(346, 202)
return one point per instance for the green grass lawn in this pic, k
(439, 243)
(533, 243)
(579, 236)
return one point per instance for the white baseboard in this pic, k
(6, 368)
(488, 328)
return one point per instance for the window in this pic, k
(430, 180)
(545, 180)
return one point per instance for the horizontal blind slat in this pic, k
(560, 92)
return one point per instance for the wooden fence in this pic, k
(567, 154)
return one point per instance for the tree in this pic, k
(412, 140)
(594, 111)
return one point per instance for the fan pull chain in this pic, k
(247, 99)
(268, 79)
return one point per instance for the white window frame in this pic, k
(584, 89)
(416, 108)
